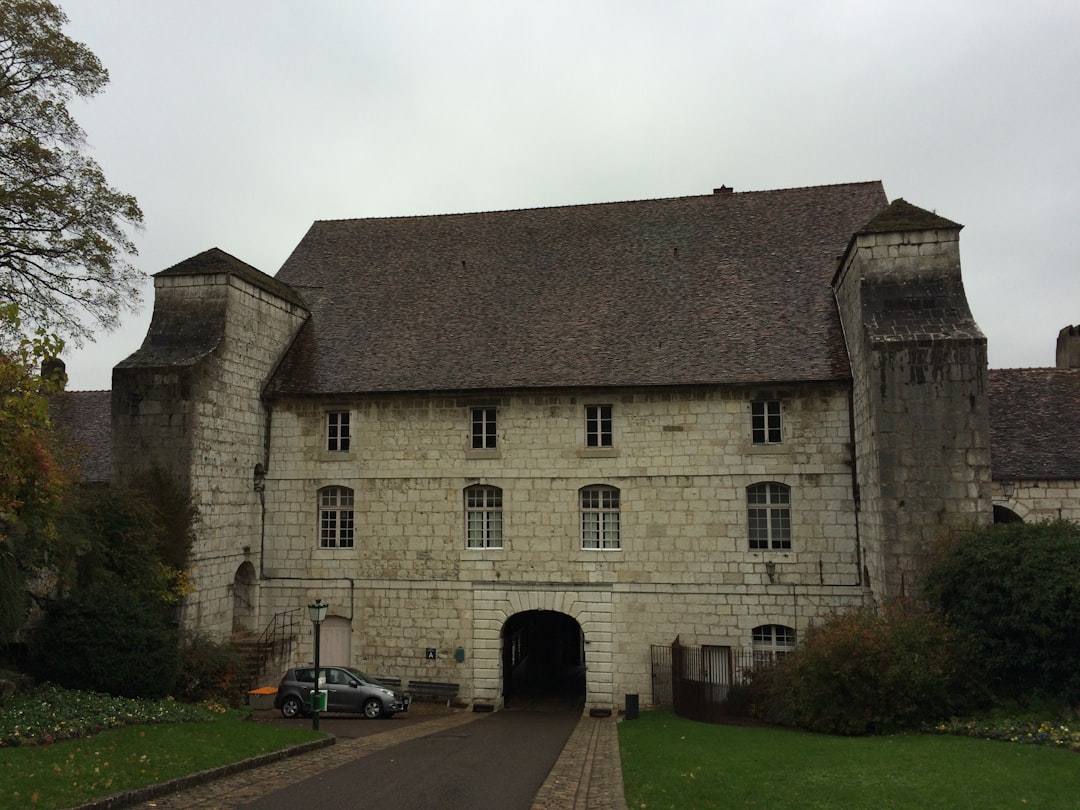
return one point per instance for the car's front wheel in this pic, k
(291, 708)
(373, 708)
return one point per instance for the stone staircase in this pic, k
(270, 648)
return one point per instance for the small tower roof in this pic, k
(903, 216)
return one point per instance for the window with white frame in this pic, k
(600, 518)
(768, 512)
(483, 429)
(765, 422)
(483, 517)
(598, 428)
(336, 522)
(337, 431)
(770, 641)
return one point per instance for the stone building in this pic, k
(522, 446)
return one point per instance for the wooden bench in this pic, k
(433, 690)
(390, 683)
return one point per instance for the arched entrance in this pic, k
(543, 660)
(244, 598)
(1003, 514)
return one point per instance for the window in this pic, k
(336, 517)
(765, 420)
(769, 516)
(772, 641)
(600, 518)
(337, 431)
(483, 428)
(598, 426)
(483, 517)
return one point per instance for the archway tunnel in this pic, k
(543, 660)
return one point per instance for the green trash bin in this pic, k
(318, 700)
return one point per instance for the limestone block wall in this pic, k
(192, 405)
(919, 398)
(681, 459)
(1037, 500)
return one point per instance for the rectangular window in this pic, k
(337, 431)
(598, 426)
(483, 517)
(483, 428)
(600, 519)
(336, 526)
(769, 516)
(765, 418)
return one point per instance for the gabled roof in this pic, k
(83, 420)
(1035, 423)
(216, 261)
(902, 216)
(722, 288)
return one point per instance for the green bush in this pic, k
(872, 670)
(107, 641)
(210, 670)
(1014, 589)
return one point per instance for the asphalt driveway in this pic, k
(496, 761)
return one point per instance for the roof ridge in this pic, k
(597, 204)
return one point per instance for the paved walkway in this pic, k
(587, 775)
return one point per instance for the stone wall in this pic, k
(189, 402)
(919, 398)
(682, 460)
(1038, 500)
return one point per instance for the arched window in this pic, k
(600, 518)
(483, 517)
(768, 513)
(336, 524)
(772, 641)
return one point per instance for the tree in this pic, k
(1014, 590)
(33, 472)
(63, 237)
(111, 627)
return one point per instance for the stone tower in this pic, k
(919, 406)
(188, 402)
(1068, 347)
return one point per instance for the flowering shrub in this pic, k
(50, 713)
(1028, 732)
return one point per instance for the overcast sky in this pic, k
(238, 123)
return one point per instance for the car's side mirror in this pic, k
(354, 684)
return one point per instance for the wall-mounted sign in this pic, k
(429, 653)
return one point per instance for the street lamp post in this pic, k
(317, 612)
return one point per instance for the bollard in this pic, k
(631, 707)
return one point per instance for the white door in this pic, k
(335, 642)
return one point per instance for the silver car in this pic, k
(348, 690)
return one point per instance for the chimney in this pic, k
(723, 190)
(54, 370)
(1068, 347)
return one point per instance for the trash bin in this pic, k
(318, 700)
(631, 707)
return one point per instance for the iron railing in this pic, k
(697, 681)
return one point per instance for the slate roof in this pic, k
(1034, 423)
(723, 288)
(83, 420)
(183, 332)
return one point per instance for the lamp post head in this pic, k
(317, 611)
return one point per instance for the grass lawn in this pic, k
(72, 772)
(60, 748)
(670, 762)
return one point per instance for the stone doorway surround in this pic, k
(589, 605)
